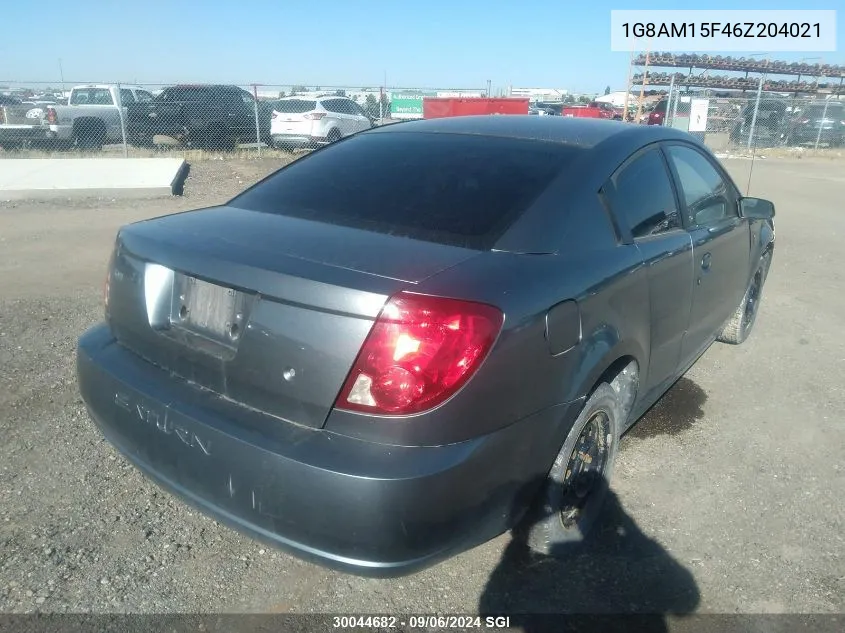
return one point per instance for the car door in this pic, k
(243, 107)
(341, 114)
(361, 120)
(721, 243)
(645, 204)
(127, 98)
(104, 106)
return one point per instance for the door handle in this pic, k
(705, 261)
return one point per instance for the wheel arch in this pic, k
(612, 360)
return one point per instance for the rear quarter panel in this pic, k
(522, 376)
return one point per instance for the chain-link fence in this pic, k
(748, 122)
(145, 119)
(125, 119)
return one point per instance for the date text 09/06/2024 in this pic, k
(420, 621)
(729, 29)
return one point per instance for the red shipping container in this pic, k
(439, 107)
(583, 112)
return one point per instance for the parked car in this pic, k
(770, 126)
(539, 109)
(306, 122)
(418, 337)
(819, 123)
(551, 107)
(210, 117)
(92, 117)
(658, 114)
(15, 127)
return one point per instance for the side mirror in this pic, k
(756, 209)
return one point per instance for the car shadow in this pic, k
(617, 578)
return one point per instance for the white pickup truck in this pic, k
(89, 120)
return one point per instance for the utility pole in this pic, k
(488, 89)
(628, 88)
(645, 81)
(62, 76)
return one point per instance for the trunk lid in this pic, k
(290, 116)
(264, 310)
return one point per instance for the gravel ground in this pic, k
(728, 493)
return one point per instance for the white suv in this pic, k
(310, 122)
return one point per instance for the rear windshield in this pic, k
(90, 96)
(186, 94)
(464, 190)
(291, 106)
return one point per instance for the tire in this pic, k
(334, 135)
(89, 138)
(740, 324)
(216, 139)
(560, 515)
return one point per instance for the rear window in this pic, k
(90, 96)
(294, 106)
(464, 190)
(186, 94)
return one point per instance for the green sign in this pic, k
(406, 106)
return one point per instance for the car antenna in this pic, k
(751, 171)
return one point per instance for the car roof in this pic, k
(309, 98)
(108, 86)
(575, 131)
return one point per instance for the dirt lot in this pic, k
(728, 493)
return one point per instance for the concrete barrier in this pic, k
(30, 178)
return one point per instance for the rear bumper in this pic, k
(298, 140)
(361, 507)
(12, 132)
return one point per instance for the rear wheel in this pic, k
(739, 326)
(89, 137)
(217, 139)
(574, 492)
(334, 135)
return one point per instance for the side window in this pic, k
(643, 196)
(126, 96)
(705, 193)
(331, 105)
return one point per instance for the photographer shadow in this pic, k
(616, 578)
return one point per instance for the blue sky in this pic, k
(425, 43)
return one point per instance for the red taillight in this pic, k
(314, 116)
(420, 351)
(52, 117)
